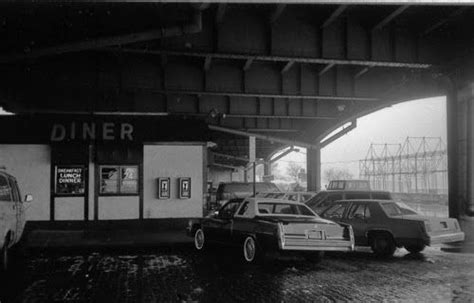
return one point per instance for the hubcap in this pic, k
(199, 239)
(249, 249)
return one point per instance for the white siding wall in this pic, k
(118, 208)
(173, 161)
(30, 164)
(69, 208)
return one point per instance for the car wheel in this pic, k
(414, 249)
(383, 245)
(250, 250)
(199, 239)
(314, 257)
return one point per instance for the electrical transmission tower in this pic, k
(419, 165)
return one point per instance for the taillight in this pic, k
(456, 224)
(425, 227)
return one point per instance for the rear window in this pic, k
(353, 196)
(283, 209)
(392, 209)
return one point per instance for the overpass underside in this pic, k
(288, 74)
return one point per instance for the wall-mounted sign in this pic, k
(184, 188)
(88, 131)
(70, 180)
(164, 188)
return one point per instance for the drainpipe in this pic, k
(195, 26)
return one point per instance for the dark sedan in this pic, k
(258, 226)
(384, 225)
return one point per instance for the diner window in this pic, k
(119, 179)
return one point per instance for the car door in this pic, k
(219, 227)
(7, 207)
(358, 217)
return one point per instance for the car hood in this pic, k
(290, 219)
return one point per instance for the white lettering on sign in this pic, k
(70, 175)
(90, 131)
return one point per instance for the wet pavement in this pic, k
(179, 274)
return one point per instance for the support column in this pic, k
(460, 112)
(267, 168)
(470, 151)
(313, 169)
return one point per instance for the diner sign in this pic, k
(107, 131)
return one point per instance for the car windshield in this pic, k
(270, 208)
(392, 209)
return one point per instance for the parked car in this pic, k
(325, 197)
(382, 225)
(12, 215)
(230, 190)
(257, 226)
(298, 196)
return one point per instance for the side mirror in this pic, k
(28, 198)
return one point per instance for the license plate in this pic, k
(315, 235)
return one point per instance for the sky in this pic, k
(392, 125)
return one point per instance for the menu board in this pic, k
(70, 180)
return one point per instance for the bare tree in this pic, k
(293, 169)
(335, 173)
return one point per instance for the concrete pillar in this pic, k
(267, 168)
(470, 151)
(313, 169)
(460, 112)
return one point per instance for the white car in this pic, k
(12, 215)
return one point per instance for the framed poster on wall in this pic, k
(184, 188)
(164, 188)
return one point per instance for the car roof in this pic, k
(363, 200)
(273, 200)
(353, 191)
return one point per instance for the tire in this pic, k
(314, 257)
(414, 249)
(250, 251)
(383, 245)
(199, 240)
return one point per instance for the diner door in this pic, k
(69, 184)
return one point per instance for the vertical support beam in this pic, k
(313, 168)
(267, 168)
(453, 186)
(470, 150)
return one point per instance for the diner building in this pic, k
(92, 168)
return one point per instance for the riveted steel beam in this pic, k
(287, 66)
(339, 10)
(277, 12)
(325, 69)
(194, 27)
(207, 63)
(390, 17)
(262, 95)
(265, 58)
(248, 64)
